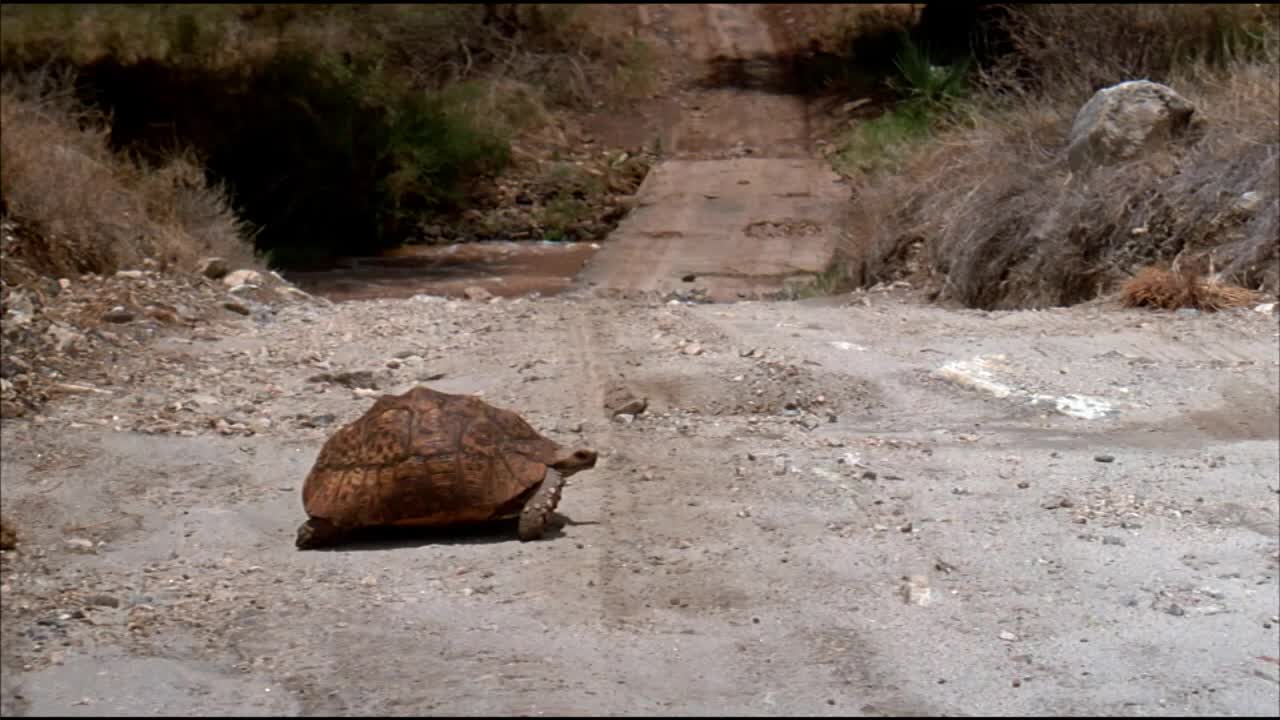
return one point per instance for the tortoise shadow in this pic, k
(487, 533)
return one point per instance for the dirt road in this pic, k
(860, 505)
(739, 209)
(740, 548)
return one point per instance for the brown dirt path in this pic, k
(740, 207)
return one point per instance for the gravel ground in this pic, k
(808, 518)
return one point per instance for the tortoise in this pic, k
(431, 459)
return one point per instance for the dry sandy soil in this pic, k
(862, 505)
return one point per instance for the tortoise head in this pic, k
(568, 463)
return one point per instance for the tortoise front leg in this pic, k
(317, 532)
(538, 509)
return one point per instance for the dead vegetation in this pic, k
(85, 209)
(8, 534)
(1166, 289)
(987, 212)
(337, 129)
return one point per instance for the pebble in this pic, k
(1008, 636)
(916, 591)
(236, 307)
(118, 314)
(102, 600)
(213, 268)
(1104, 458)
(1057, 501)
(81, 545)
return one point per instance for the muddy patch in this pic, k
(501, 268)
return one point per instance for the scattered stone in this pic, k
(1057, 501)
(692, 349)
(915, 590)
(1007, 636)
(213, 268)
(622, 402)
(102, 600)
(236, 307)
(1112, 540)
(251, 278)
(477, 293)
(118, 314)
(83, 546)
(350, 378)
(1104, 458)
(130, 274)
(781, 465)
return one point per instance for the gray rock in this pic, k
(1121, 121)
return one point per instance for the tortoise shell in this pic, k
(427, 458)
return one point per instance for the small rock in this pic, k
(475, 292)
(631, 406)
(393, 364)
(131, 274)
(692, 349)
(213, 268)
(118, 314)
(1175, 610)
(1112, 540)
(236, 307)
(1104, 458)
(916, 591)
(102, 600)
(83, 546)
(1007, 636)
(243, 277)
(1057, 501)
(369, 581)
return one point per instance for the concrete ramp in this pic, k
(735, 228)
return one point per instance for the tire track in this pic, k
(617, 504)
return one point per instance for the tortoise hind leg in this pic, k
(538, 509)
(317, 532)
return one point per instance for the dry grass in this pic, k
(8, 535)
(88, 210)
(1170, 290)
(990, 213)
